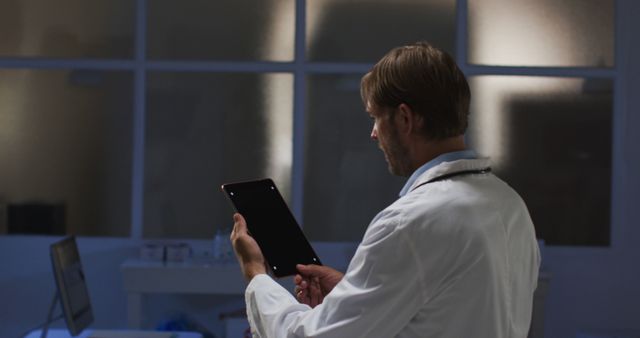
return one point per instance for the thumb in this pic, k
(240, 225)
(310, 270)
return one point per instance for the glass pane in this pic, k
(346, 178)
(364, 30)
(550, 138)
(204, 130)
(541, 33)
(67, 28)
(221, 30)
(65, 149)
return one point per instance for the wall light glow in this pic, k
(541, 33)
(278, 98)
(490, 110)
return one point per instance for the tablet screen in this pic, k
(272, 225)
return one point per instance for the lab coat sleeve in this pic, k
(270, 306)
(380, 293)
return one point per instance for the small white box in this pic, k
(178, 252)
(152, 252)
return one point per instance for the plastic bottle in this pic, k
(222, 249)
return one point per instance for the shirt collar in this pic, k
(446, 157)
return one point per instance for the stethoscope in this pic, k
(454, 174)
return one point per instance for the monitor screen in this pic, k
(71, 285)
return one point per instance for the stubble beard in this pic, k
(397, 156)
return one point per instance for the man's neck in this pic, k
(423, 152)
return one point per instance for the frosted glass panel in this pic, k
(221, 30)
(541, 32)
(67, 28)
(550, 138)
(204, 130)
(364, 30)
(65, 140)
(346, 178)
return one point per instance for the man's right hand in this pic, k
(314, 282)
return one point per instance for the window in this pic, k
(242, 30)
(66, 144)
(130, 114)
(550, 138)
(205, 129)
(541, 33)
(542, 108)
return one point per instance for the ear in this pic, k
(406, 119)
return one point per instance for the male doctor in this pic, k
(454, 257)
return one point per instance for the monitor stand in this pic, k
(50, 319)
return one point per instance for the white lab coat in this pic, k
(456, 258)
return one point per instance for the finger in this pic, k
(302, 296)
(315, 293)
(301, 292)
(303, 287)
(301, 282)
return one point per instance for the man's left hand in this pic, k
(247, 251)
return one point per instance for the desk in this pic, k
(609, 334)
(190, 277)
(89, 333)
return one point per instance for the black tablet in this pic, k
(272, 225)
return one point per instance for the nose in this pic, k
(374, 133)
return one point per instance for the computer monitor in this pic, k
(71, 286)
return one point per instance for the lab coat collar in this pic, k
(446, 168)
(446, 157)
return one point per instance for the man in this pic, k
(455, 256)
